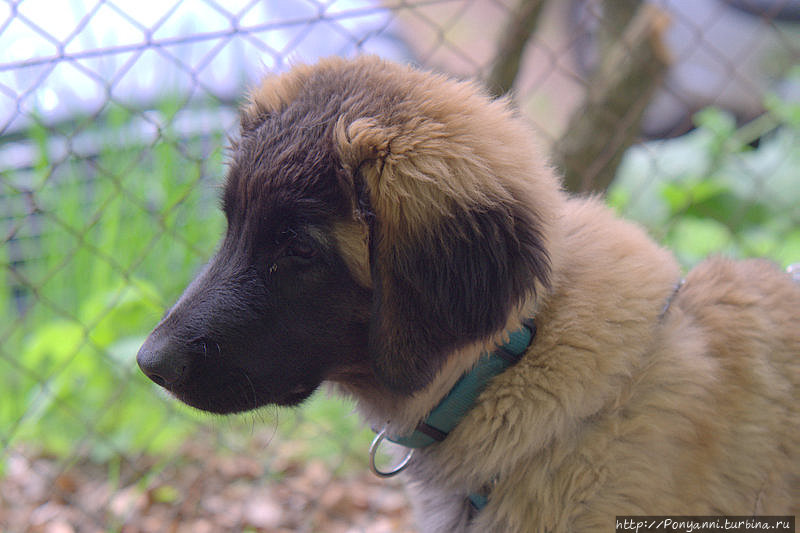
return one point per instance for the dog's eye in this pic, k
(296, 244)
(298, 248)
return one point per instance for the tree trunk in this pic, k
(520, 25)
(618, 92)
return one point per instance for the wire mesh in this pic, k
(114, 117)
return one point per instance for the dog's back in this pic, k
(748, 314)
(709, 423)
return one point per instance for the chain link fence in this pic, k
(114, 117)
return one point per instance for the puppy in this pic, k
(388, 228)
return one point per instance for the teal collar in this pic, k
(452, 409)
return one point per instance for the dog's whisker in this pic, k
(252, 389)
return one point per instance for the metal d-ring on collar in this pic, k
(373, 449)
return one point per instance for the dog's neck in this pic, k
(400, 415)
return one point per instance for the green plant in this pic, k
(720, 189)
(104, 223)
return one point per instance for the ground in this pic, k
(204, 490)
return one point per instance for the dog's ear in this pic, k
(452, 250)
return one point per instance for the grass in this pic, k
(108, 242)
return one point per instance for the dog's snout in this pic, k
(164, 365)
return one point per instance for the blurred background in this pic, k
(114, 118)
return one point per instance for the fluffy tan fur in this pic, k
(615, 409)
(275, 92)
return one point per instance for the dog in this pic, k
(389, 228)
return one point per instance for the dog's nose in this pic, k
(164, 366)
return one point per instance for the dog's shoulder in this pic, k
(607, 267)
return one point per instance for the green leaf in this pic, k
(694, 239)
(783, 110)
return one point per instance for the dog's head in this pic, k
(379, 218)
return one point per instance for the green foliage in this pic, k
(104, 224)
(80, 384)
(720, 189)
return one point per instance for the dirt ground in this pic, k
(203, 491)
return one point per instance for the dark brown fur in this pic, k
(258, 299)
